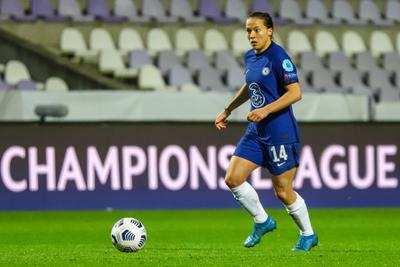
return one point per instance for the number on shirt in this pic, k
(282, 154)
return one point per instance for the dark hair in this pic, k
(263, 15)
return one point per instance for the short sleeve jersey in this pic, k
(267, 74)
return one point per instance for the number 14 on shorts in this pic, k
(282, 153)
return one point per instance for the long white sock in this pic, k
(248, 199)
(298, 211)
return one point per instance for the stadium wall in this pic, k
(181, 165)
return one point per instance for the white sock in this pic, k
(298, 211)
(248, 199)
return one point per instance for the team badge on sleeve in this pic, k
(287, 65)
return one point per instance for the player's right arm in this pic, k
(241, 97)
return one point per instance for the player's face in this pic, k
(258, 34)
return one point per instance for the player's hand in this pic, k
(258, 114)
(220, 121)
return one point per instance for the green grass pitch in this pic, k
(348, 237)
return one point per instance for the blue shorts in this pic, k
(277, 158)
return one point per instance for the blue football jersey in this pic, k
(267, 74)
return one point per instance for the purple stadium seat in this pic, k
(26, 85)
(13, 9)
(265, 6)
(4, 86)
(99, 9)
(127, 9)
(210, 10)
(155, 10)
(182, 10)
(43, 9)
(71, 9)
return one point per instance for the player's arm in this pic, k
(292, 95)
(241, 97)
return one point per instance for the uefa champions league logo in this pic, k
(257, 98)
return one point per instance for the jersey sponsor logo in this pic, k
(257, 97)
(287, 65)
(265, 71)
(281, 164)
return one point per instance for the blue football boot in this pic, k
(259, 230)
(306, 243)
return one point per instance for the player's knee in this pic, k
(281, 194)
(231, 182)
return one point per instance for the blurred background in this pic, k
(109, 104)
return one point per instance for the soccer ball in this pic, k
(128, 235)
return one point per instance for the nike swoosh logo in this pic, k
(280, 164)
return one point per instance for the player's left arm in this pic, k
(292, 95)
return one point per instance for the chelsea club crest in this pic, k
(265, 71)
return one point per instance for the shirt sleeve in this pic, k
(287, 70)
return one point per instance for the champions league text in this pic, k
(175, 168)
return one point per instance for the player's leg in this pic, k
(238, 171)
(296, 207)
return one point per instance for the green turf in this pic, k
(348, 237)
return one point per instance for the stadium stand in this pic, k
(115, 39)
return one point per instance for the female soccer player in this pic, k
(272, 137)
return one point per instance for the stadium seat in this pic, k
(4, 86)
(338, 61)
(364, 61)
(100, 39)
(235, 78)
(378, 79)
(179, 75)
(196, 60)
(214, 40)
(55, 84)
(16, 71)
(325, 43)
(265, 6)
(370, 12)
(305, 85)
(155, 10)
(139, 58)
(316, 10)
(236, 9)
(298, 42)
(290, 10)
(127, 9)
(277, 39)
(342, 10)
(393, 10)
(157, 40)
(150, 78)
(391, 61)
(72, 10)
(99, 10)
(240, 43)
(323, 80)
(166, 60)
(310, 61)
(224, 60)
(351, 79)
(73, 43)
(111, 62)
(182, 10)
(27, 85)
(352, 43)
(209, 9)
(13, 9)
(129, 39)
(43, 9)
(185, 40)
(380, 43)
(210, 80)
